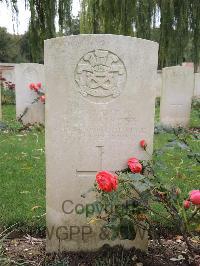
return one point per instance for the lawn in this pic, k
(22, 169)
(22, 175)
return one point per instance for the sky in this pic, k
(6, 17)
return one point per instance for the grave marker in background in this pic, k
(197, 85)
(25, 74)
(176, 98)
(100, 104)
(0, 103)
(9, 74)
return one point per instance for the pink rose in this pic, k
(31, 86)
(42, 98)
(195, 197)
(186, 204)
(39, 85)
(106, 181)
(134, 165)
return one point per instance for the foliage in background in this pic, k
(7, 90)
(43, 20)
(175, 24)
(14, 48)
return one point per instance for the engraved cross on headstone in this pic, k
(92, 173)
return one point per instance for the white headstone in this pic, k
(177, 92)
(100, 104)
(9, 75)
(197, 85)
(25, 74)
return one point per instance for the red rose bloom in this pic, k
(143, 144)
(31, 86)
(39, 85)
(186, 204)
(195, 197)
(106, 181)
(35, 88)
(134, 165)
(42, 98)
(193, 192)
(133, 160)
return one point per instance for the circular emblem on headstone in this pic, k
(100, 76)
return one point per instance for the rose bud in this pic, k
(177, 191)
(186, 204)
(134, 165)
(39, 85)
(35, 88)
(31, 86)
(143, 144)
(106, 181)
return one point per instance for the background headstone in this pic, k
(177, 92)
(0, 104)
(197, 85)
(158, 83)
(100, 104)
(9, 75)
(25, 74)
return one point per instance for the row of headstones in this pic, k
(100, 95)
(196, 84)
(175, 85)
(22, 75)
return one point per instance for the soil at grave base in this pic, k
(31, 251)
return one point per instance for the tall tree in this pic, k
(177, 21)
(43, 21)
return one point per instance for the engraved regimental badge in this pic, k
(100, 76)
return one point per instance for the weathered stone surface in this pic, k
(100, 104)
(25, 74)
(197, 85)
(177, 92)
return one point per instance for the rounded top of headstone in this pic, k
(178, 69)
(102, 36)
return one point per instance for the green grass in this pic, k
(22, 175)
(22, 170)
(173, 165)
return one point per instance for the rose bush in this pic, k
(40, 96)
(194, 198)
(126, 201)
(37, 87)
